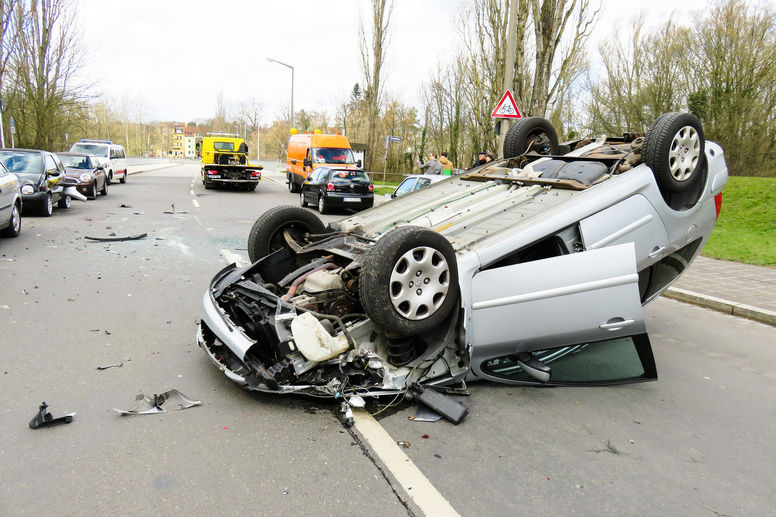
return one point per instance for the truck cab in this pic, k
(308, 151)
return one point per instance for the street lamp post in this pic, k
(292, 85)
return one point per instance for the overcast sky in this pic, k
(173, 57)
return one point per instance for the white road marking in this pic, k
(233, 258)
(403, 469)
(273, 180)
(195, 203)
(191, 192)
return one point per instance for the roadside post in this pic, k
(2, 136)
(388, 140)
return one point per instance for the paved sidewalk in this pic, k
(739, 289)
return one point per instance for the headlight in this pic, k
(86, 177)
(28, 189)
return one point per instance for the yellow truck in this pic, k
(225, 162)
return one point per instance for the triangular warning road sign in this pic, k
(506, 107)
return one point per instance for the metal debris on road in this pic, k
(117, 238)
(45, 419)
(406, 445)
(172, 400)
(173, 212)
(424, 414)
(115, 365)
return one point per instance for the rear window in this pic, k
(91, 149)
(223, 146)
(348, 176)
(29, 163)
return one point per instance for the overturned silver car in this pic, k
(528, 270)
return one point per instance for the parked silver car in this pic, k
(10, 204)
(528, 270)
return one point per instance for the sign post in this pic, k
(505, 109)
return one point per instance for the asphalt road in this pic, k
(700, 441)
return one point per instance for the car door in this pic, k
(8, 188)
(568, 300)
(308, 187)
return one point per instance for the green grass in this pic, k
(384, 188)
(746, 229)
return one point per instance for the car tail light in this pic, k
(371, 187)
(255, 173)
(212, 172)
(330, 187)
(718, 203)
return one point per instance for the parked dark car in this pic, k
(37, 172)
(90, 174)
(337, 188)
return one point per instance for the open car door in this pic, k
(571, 319)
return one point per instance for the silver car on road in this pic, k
(528, 270)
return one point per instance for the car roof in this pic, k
(75, 154)
(19, 149)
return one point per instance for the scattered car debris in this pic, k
(171, 400)
(115, 365)
(173, 211)
(45, 419)
(123, 205)
(451, 409)
(425, 414)
(406, 445)
(117, 238)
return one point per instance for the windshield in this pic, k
(91, 149)
(332, 155)
(348, 176)
(22, 163)
(75, 162)
(223, 146)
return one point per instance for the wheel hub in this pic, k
(419, 282)
(684, 154)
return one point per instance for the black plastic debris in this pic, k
(117, 238)
(172, 400)
(114, 365)
(45, 419)
(451, 409)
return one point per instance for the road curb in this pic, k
(150, 168)
(719, 304)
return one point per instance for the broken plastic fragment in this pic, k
(117, 239)
(44, 419)
(168, 401)
(425, 414)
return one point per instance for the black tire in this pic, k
(123, 178)
(530, 133)
(110, 177)
(250, 187)
(104, 189)
(322, 208)
(293, 186)
(15, 224)
(47, 208)
(93, 191)
(302, 201)
(403, 309)
(674, 149)
(267, 232)
(208, 184)
(64, 202)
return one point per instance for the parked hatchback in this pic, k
(37, 172)
(106, 153)
(91, 175)
(10, 204)
(337, 188)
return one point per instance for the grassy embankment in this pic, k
(746, 229)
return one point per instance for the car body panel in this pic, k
(38, 169)
(9, 195)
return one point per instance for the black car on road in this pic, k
(37, 172)
(329, 188)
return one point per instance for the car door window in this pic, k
(51, 165)
(422, 182)
(406, 187)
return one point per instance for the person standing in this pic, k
(432, 166)
(447, 165)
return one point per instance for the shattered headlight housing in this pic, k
(28, 189)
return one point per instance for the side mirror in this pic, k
(293, 162)
(307, 162)
(101, 167)
(53, 173)
(358, 164)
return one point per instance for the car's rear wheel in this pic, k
(123, 178)
(302, 200)
(267, 232)
(530, 134)
(104, 190)
(64, 202)
(15, 224)
(48, 206)
(674, 149)
(322, 208)
(92, 190)
(409, 281)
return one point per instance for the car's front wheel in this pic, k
(267, 233)
(92, 190)
(674, 149)
(48, 206)
(64, 202)
(15, 224)
(409, 281)
(104, 190)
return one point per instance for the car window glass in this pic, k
(50, 164)
(406, 186)
(422, 182)
(612, 360)
(333, 155)
(27, 163)
(348, 176)
(90, 149)
(223, 146)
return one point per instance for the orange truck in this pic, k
(308, 151)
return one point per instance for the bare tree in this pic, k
(372, 60)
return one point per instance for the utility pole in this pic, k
(2, 136)
(509, 68)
